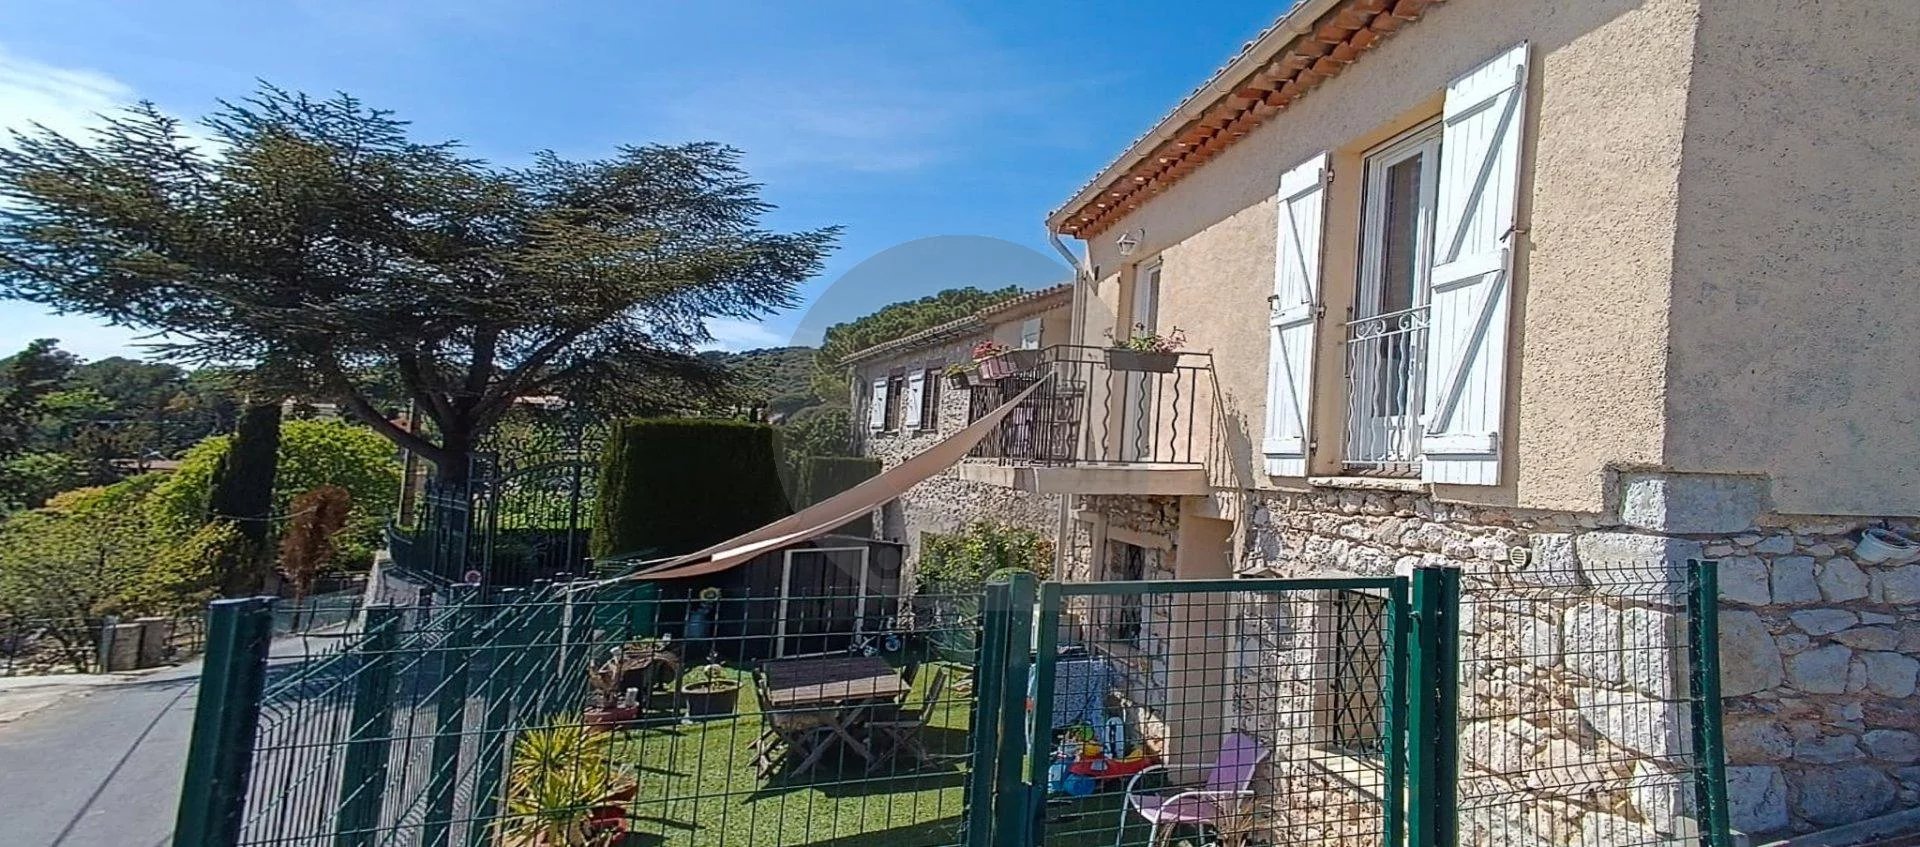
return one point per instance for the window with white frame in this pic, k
(1030, 334)
(1385, 341)
(1424, 347)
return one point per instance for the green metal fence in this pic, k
(576, 714)
(1433, 709)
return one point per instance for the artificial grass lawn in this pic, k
(698, 788)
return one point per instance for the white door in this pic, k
(1386, 349)
(1139, 397)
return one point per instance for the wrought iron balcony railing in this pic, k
(1099, 406)
(1386, 374)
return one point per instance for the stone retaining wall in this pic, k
(1573, 692)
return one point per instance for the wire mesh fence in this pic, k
(1578, 717)
(1484, 708)
(1255, 712)
(571, 715)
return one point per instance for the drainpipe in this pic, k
(1082, 277)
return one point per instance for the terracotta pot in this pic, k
(606, 719)
(1122, 359)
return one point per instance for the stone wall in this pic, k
(1573, 687)
(944, 503)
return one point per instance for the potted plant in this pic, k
(709, 692)
(1146, 351)
(989, 356)
(959, 375)
(564, 789)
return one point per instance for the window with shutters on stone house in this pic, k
(1424, 343)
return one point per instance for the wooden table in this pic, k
(841, 689)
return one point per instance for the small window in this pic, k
(1126, 616)
(1030, 334)
(928, 415)
(1355, 695)
(896, 386)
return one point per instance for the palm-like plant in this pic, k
(561, 781)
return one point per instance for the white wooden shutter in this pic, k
(1030, 334)
(1295, 312)
(877, 406)
(1472, 259)
(916, 398)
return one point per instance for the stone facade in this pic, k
(1573, 675)
(944, 503)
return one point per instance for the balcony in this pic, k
(1095, 426)
(1385, 376)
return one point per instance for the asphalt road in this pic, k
(99, 765)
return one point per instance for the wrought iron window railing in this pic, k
(1385, 374)
(1090, 409)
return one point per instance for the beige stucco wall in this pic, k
(1794, 346)
(1608, 96)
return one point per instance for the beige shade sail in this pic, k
(822, 517)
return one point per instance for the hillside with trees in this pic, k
(893, 321)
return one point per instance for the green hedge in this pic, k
(825, 476)
(674, 485)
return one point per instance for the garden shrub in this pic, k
(674, 485)
(963, 561)
(312, 454)
(822, 477)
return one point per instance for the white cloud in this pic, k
(733, 335)
(68, 101)
(65, 100)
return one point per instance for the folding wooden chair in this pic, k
(901, 730)
(783, 734)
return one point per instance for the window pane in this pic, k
(1400, 252)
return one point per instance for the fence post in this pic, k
(1432, 769)
(450, 712)
(987, 682)
(1011, 826)
(363, 781)
(1046, 649)
(1703, 658)
(1399, 634)
(501, 628)
(220, 757)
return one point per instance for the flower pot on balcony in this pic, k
(997, 367)
(1147, 361)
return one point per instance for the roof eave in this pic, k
(1295, 23)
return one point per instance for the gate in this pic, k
(1312, 708)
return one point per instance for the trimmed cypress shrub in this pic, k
(825, 476)
(675, 485)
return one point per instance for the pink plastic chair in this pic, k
(1229, 779)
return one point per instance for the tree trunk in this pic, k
(243, 494)
(456, 465)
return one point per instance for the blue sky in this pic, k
(902, 121)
